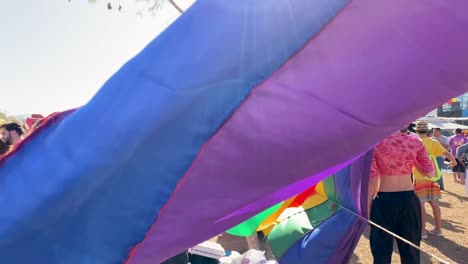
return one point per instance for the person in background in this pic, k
(427, 190)
(11, 133)
(392, 200)
(443, 140)
(455, 142)
(462, 156)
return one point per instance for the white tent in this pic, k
(442, 123)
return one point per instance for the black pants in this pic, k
(182, 258)
(399, 212)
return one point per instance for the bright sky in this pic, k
(55, 54)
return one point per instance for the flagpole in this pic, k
(176, 6)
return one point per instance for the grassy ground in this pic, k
(453, 247)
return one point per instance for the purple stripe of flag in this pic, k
(361, 79)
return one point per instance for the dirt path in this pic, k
(453, 247)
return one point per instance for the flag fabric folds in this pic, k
(235, 108)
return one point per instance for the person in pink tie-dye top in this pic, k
(395, 205)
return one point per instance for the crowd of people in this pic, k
(406, 174)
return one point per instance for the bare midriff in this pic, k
(395, 183)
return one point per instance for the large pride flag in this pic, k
(238, 106)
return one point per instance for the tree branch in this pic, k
(156, 4)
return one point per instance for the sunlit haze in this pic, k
(56, 54)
